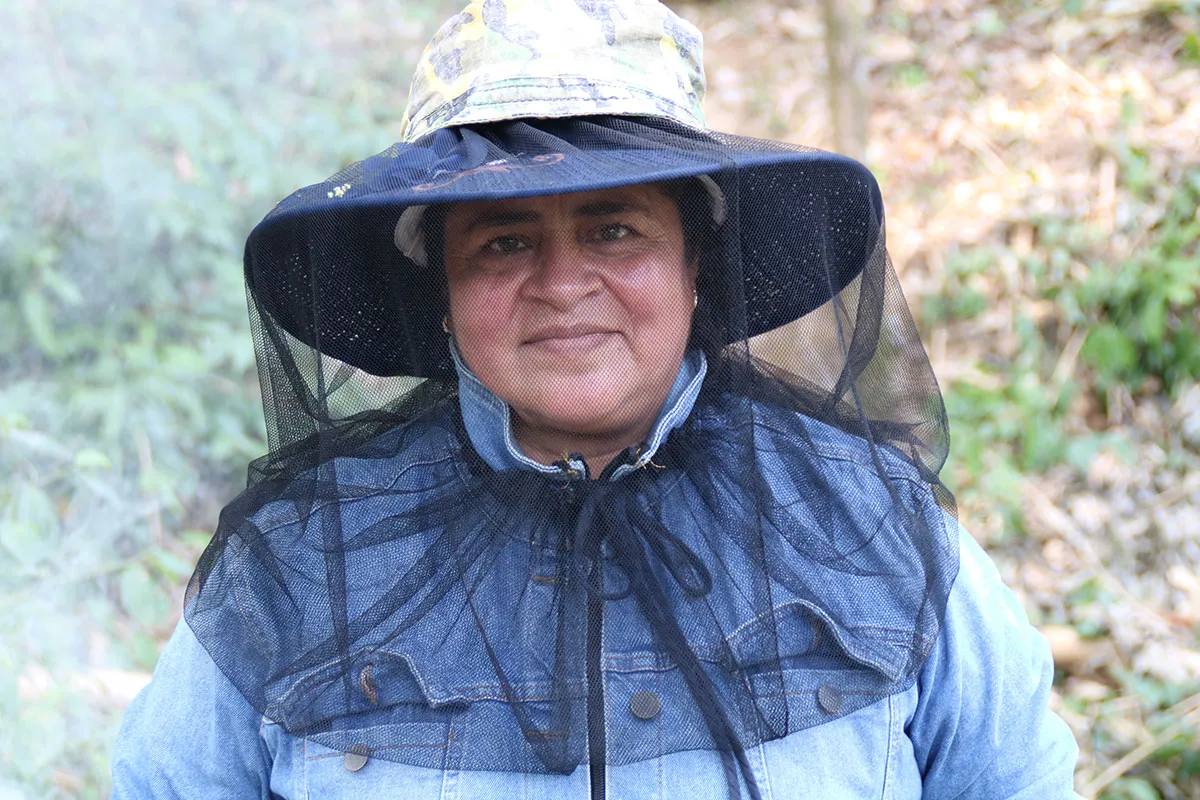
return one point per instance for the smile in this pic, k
(569, 340)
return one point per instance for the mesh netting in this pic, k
(781, 559)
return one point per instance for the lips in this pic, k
(569, 338)
(565, 332)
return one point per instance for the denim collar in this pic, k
(488, 420)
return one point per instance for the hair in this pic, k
(701, 210)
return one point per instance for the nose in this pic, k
(563, 274)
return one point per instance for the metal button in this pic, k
(356, 757)
(645, 705)
(367, 685)
(829, 697)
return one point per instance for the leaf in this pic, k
(12, 421)
(1190, 49)
(185, 362)
(1002, 480)
(22, 540)
(30, 529)
(911, 76)
(1132, 789)
(1081, 451)
(142, 597)
(38, 318)
(169, 564)
(196, 540)
(88, 458)
(63, 288)
(43, 739)
(1109, 350)
(10, 700)
(1042, 443)
(1153, 322)
(989, 25)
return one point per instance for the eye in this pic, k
(504, 245)
(613, 232)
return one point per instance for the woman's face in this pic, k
(574, 309)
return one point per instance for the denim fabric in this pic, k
(975, 724)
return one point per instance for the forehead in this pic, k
(647, 198)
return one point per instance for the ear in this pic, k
(691, 269)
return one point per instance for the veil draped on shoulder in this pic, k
(783, 559)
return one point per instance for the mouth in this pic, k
(569, 338)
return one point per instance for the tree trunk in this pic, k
(847, 85)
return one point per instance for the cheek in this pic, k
(479, 312)
(473, 299)
(662, 298)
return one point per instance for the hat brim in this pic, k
(323, 264)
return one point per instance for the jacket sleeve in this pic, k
(982, 727)
(189, 733)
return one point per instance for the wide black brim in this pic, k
(802, 224)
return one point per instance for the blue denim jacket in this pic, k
(975, 724)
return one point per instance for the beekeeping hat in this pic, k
(539, 97)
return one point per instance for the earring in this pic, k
(695, 299)
(446, 323)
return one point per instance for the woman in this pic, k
(537, 522)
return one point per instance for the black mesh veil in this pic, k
(782, 558)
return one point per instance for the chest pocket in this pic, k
(400, 743)
(848, 727)
(847, 758)
(328, 774)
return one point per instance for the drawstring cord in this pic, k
(605, 514)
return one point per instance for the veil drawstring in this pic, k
(606, 515)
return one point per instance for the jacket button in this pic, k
(367, 685)
(356, 757)
(829, 697)
(645, 705)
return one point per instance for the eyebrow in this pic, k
(599, 208)
(499, 219)
(604, 208)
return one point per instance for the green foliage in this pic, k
(1131, 789)
(1144, 310)
(1098, 321)
(1012, 419)
(1080, 314)
(1189, 51)
(910, 75)
(151, 137)
(988, 24)
(1072, 8)
(1170, 766)
(966, 292)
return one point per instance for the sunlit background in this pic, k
(1040, 164)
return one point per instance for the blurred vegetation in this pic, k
(1097, 334)
(1124, 323)
(144, 139)
(1080, 320)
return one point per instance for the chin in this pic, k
(579, 417)
(584, 413)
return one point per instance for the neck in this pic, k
(548, 445)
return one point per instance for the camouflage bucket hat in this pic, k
(524, 98)
(511, 59)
